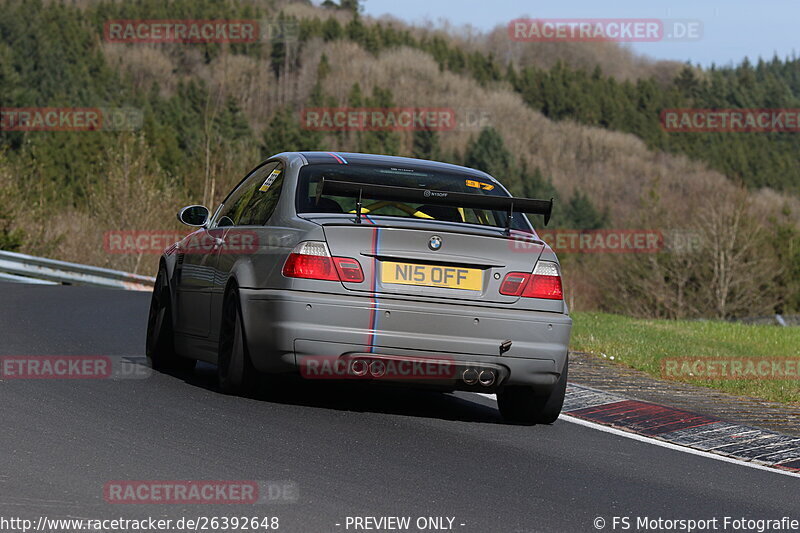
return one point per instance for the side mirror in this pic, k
(194, 215)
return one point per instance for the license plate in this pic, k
(470, 279)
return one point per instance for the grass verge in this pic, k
(683, 350)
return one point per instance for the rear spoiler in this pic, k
(509, 204)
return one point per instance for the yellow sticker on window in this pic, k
(270, 179)
(480, 185)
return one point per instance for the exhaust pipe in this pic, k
(487, 378)
(377, 369)
(470, 376)
(359, 367)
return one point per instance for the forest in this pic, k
(579, 123)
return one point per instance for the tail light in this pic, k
(513, 283)
(545, 282)
(349, 269)
(312, 260)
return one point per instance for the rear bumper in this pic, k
(285, 328)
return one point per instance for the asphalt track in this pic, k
(348, 451)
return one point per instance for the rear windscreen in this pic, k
(310, 176)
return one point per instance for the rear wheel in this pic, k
(160, 345)
(524, 404)
(235, 371)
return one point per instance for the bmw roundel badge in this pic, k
(435, 243)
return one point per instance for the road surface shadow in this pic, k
(373, 397)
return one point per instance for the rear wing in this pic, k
(509, 204)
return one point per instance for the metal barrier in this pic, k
(780, 320)
(30, 269)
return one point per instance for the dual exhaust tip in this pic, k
(472, 376)
(377, 369)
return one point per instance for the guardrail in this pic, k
(780, 320)
(31, 269)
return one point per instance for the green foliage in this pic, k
(647, 344)
(182, 126)
(350, 5)
(10, 239)
(317, 98)
(576, 213)
(785, 240)
(70, 68)
(488, 153)
(755, 159)
(51, 55)
(566, 93)
(376, 142)
(580, 213)
(284, 134)
(425, 144)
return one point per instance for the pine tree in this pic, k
(382, 141)
(350, 5)
(687, 83)
(425, 144)
(488, 153)
(354, 97)
(331, 29)
(285, 134)
(580, 213)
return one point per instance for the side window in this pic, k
(234, 210)
(264, 199)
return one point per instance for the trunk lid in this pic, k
(437, 262)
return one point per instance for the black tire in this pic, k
(160, 344)
(235, 372)
(524, 405)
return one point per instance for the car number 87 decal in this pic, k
(479, 185)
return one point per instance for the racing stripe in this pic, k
(373, 319)
(338, 158)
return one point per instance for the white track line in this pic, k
(641, 438)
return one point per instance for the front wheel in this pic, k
(235, 371)
(523, 404)
(160, 344)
